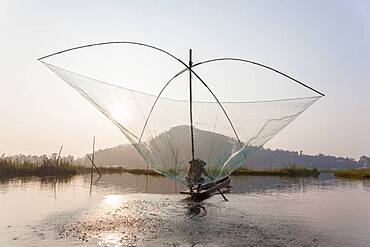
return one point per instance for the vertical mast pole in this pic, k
(191, 104)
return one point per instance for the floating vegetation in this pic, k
(141, 172)
(289, 172)
(363, 173)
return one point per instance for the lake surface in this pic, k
(139, 210)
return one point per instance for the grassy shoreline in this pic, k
(62, 170)
(28, 169)
(354, 174)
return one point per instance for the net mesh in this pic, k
(158, 126)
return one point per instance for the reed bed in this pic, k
(18, 166)
(354, 174)
(52, 166)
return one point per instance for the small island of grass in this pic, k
(288, 172)
(354, 173)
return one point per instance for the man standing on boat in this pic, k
(195, 172)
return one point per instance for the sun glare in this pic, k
(113, 200)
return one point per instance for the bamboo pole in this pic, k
(60, 151)
(92, 164)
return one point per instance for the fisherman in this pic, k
(195, 172)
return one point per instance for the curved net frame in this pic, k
(226, 133)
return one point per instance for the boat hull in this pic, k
(209, 189)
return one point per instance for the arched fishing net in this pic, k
(226, 133)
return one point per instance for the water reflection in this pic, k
(44, 183)
(120, 213)
(139, 183)
(366, 184)
(160, 185)
(43, 180)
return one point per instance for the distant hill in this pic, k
(127, 156)
(268, 158)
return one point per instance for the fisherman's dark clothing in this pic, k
(195, 172)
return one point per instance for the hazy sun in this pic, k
(120, 114)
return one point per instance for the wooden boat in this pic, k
(209, 189)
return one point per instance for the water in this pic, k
(138, 210)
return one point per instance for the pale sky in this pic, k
(323, 43)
